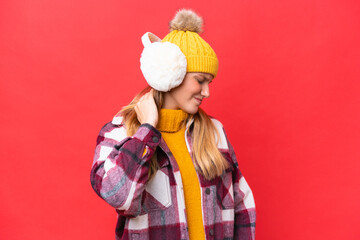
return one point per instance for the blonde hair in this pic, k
(209, 161)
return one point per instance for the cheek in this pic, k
(193, 88)
(187, 91)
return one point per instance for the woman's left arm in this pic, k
(244, 204)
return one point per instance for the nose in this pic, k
(205, 91)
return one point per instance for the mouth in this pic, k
(199, 100)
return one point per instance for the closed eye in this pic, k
(201, 78)
(201, 81)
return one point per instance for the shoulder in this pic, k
(117, 119)
(114, 130)
(216, 123)
(221, 139)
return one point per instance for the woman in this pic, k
(162, 163)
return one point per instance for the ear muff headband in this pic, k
(162, 63)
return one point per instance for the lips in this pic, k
(199, 100)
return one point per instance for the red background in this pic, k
(287, 93)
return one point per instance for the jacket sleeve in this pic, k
(244, 204)
(121, 164)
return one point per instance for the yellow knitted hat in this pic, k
(184, 32)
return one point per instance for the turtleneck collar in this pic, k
(171, 120)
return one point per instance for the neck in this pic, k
(169, 102)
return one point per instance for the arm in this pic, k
(245, 213)
(121, 164)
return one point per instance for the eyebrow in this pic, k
(205, 78)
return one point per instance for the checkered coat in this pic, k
(155, 209)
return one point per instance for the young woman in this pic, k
(162, 163)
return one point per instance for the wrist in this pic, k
(152, 123)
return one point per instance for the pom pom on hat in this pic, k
(186, 20)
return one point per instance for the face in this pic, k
(189, 95)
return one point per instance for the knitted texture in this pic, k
(171, 120)
(173, 131)
(199, 54)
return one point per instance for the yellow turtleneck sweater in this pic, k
(172, 128)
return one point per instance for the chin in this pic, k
(192, 110)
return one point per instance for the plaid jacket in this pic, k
(155, 209)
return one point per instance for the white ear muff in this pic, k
(162, 63)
